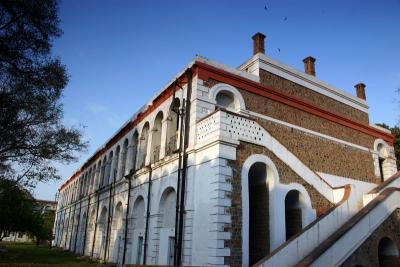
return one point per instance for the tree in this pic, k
(42, 229)
(32, 135)
(396, 132)
(17, 213)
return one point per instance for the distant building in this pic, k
(264, 165)
(43, 205)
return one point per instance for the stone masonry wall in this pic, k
(271, 108)
(367, 253)
(286, 176)
(323, 155)
(308, 95)
(303, 119)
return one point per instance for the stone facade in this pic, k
(289, 87)
(324, 155)
(303, 119)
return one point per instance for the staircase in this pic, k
(330, 239)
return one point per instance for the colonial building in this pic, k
(257, 165)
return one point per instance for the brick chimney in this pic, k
(258, 43)
(360, 90)
(309, 66)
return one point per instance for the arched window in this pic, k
(258, 212)
(156, 138)
(225, 99)
(124, 158)
(293, 213)
(144, 139)
(173, 127)
(227, 96)
(388, 253)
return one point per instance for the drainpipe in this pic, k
(184, 167)
(110, 216)
(126, 218)
(95, 224)
(147, 218)
(177, 202)
(77, 226)
(86, 224)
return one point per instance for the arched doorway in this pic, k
(167, 230)
(388, 253)
(138, 218)
(258, 212)
(102, 225)
(293, 213)
(117, 232)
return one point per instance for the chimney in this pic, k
(258, 43)
(309, 66)
(360, 90)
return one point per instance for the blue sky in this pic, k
(120, 53)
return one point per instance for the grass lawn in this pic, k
(26, 254)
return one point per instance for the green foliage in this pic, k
(32, 135)
(42, 229)
(16, 209)
(19, 212)
(396, 132)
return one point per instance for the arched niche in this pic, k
(173, 127)
(156, 137)
(388, 253)
(226, 96)
(143, 143)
